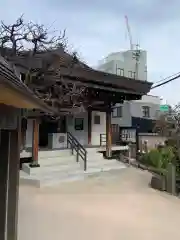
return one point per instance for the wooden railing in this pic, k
(81, 152)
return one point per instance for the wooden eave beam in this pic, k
(89, 83)
(99, 77)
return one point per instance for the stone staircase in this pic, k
(58, 166)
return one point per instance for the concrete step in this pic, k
(96, 161)
(97, 169)
(56, 160)
(52, 178)
(104, 165)
(57, 174)
(104, 162)
(54, 153)
(48, 179)
(64, 163)
(101, 164)
(93, 150)
(55, 178)
(69, 163)
(95, 157)
(25, 154)
(51, 169)
(65, 153)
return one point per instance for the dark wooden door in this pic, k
(115, 134)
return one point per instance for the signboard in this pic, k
(164, 108)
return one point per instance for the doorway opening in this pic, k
(46, 127)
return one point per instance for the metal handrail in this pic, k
(102, 138)
(80, 150)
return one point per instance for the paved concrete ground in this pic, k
(116, 205)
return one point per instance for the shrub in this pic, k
(158, 158)
(167, 156)
(155, 158)
(171, 142)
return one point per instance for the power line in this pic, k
(163, 79)
(170, 80)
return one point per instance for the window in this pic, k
(146, 111)
(97, 119)
(117, 112)
(79, 124)
(120, 71)
(131, 74)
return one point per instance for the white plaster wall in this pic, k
(125, 120)
(29, 133)
(82, 136)
(149, 99)
(97, 129)
(153, 102)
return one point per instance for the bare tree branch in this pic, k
(168, 123)
(12, 35)
(30, 39)
(41, 40)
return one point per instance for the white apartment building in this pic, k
(124, 64)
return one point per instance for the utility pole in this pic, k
(136, 56)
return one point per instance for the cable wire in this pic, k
(163, 79)
(163, 83)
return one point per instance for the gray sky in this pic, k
(96, 28)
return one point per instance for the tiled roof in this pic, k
(82, 71)
(9, 77)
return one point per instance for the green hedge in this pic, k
(158, 159)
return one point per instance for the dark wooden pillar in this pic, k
(108, 134)
(9, 171)
(89, 126)
(4, 172)
(13, 190)
(9, 183)
(35, 144)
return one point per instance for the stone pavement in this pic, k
(111, 206)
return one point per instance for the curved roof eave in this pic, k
(10, 79)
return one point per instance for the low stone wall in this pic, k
(152, 140)
(146, 143)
